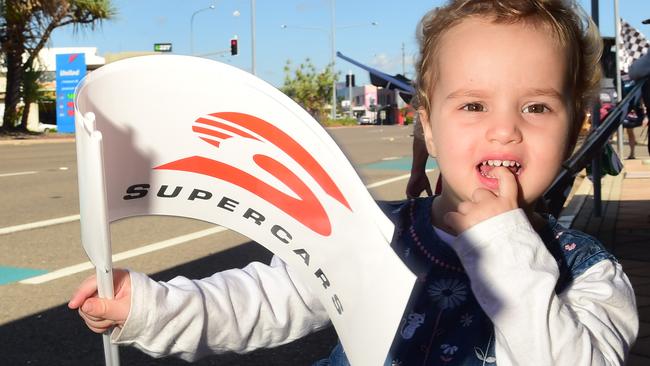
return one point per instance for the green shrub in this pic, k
(338, 122)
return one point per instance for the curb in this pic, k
(35, 141)
(573, 207)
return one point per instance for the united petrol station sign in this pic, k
(70, 69)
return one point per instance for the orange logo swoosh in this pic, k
(306, 209)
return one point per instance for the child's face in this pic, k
(499, 94)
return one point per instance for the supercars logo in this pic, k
(306, 209)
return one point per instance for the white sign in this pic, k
(191, 137)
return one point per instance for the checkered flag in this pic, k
(634, 45)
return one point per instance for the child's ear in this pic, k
(426, 129)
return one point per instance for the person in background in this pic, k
(633, 120)
(418, 181)
(639, 70)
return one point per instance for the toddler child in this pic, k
(503, 87)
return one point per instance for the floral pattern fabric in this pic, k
(443, 323)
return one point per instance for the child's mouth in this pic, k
(486, 166)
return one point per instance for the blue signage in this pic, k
(70, 69)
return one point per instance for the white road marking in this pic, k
(38, 224)
(387, 181)
(16, 173)
(66, 219)
(67, 271)
(392, 180)
(74, 269)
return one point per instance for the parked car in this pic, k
(364, 120)
(44, 127)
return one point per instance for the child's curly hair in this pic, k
(574, 30)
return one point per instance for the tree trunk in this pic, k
(25, 116)
(12, 95)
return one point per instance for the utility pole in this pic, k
(403, 61)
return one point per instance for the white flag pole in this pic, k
(619, 90)
(95, 236)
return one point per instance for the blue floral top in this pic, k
(443, 323)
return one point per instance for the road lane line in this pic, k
(66, 219)
(38, 224)
(67, 271)
(387, 181)
(17, 173)
(392, 180)
(74, 269)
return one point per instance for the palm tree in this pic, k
(26, 28)
(30, 92)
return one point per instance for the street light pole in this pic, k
(332, 32)
(333, 40)
(253, 37)
(211, 7)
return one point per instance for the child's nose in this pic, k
(505, 129)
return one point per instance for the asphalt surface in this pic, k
(38, 182)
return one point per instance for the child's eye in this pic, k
(474, 107)
(536, 108)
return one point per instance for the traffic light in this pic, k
(233, 46)
(349, 80)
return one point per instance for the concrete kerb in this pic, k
(37, 140)
(574, 205)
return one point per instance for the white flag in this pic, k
(191, 137)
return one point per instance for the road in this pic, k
(42, 261)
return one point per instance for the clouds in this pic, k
(310, 5)
(383, 62)
(160, 21)
(392, 63)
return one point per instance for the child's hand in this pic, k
(101, 314)
(485, 204)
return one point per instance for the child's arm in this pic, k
(237, 310)
(592, 322)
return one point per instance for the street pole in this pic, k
(595, 121)
(253, 37)
(192, 27)
(619, 89)
(333, 41)
(332, 32)
(403, 61)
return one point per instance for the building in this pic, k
(381, 105)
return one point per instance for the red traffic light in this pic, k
(233, 47)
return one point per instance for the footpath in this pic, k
(624, 227)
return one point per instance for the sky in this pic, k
(138, 24)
